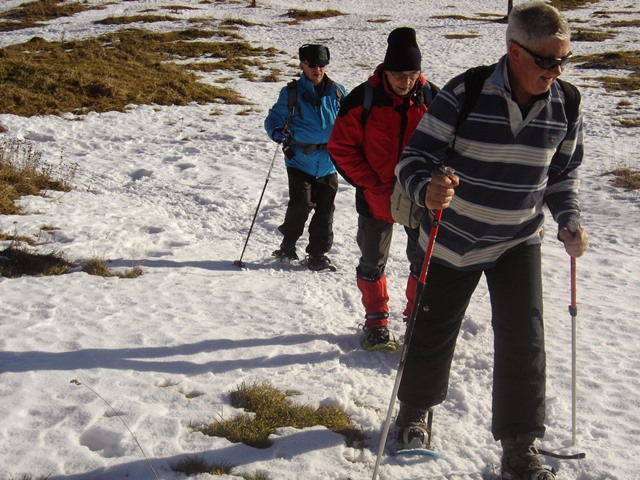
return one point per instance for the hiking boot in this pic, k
(378, 338)
(522, 461)
(412, 431)
(286, 253)
(319, 262)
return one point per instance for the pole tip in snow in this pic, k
(239, 263)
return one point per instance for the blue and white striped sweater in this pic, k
(509, 168)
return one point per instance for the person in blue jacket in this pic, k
(301, 120)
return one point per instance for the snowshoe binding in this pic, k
(521, 460)
(319, 263)
(378, 338)
(286, 253)
(413, 433)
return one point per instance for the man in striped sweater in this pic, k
(515, 152)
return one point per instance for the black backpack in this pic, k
(429, 90)
(474, 80)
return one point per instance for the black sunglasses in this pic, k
(547, 63)
(314, 65)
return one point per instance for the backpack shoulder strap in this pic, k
(429, 91)
(571, 100)
(367, 101)
(292, 98)
(339, 94)
(473, 81)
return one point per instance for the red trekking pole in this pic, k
(573, 310)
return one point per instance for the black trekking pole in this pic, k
(407, 337)
(239, 262)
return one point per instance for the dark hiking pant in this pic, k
(374, 239)
(515, 288)
(308, 193)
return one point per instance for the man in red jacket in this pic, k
(365, 145)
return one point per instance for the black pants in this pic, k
(515, 288)
(374, 240)
(308, 193)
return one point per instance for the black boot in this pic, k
(286, 253)
(522, 461)
(412, 430)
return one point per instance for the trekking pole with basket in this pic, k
(573, 311)
(239, 262)
(409, 331)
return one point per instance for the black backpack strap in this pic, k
(571, 100)
(339, 94)
(292, 99)
(429, 91)
(367, 101)
(473, 81)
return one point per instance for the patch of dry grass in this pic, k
(34, 14)
(571, 4)
(98, 267)
(22, 172)
(620, 60)
(194, 465)
(591, 35)
(16, 261)
(296, 15)
(272, 410)
(135, 19)
(625, 177)
(113, 71)
(460, 36)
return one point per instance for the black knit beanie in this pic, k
(403, 53)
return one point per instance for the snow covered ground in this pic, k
(174, 189)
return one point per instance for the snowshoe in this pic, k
(521, 460)
(413, 435)
(286, 254)
(319, 263)
(378, 338)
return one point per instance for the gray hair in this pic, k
(532, 22)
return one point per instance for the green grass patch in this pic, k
(272, 410)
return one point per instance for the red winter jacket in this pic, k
(366, 152)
